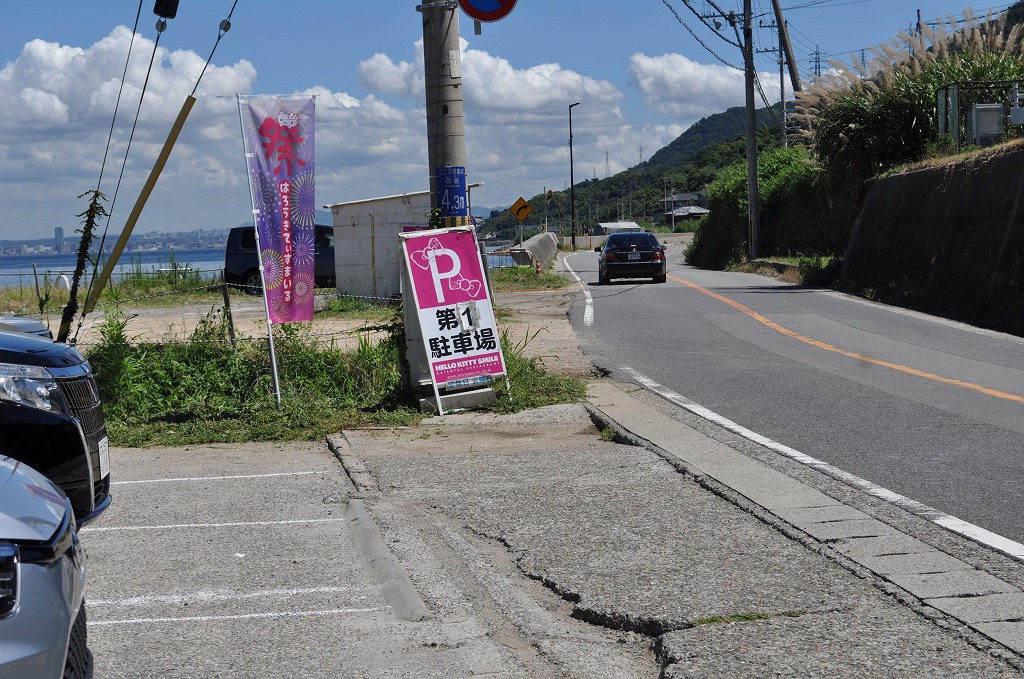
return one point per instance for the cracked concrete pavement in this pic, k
(532, 545)
(682, 551)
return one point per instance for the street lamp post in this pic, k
(572, 182)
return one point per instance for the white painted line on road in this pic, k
(976, 533)
(218, 595)
(245, 616)
(588, 311)
(109, 529)
(215, 478)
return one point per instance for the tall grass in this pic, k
(209, 389)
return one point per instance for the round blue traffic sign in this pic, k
(487, 10)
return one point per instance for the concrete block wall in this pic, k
(367, 246)
(948, 239)
(542, 247)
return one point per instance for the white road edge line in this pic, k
(216, 478)
(110, 529)
(588, 311)
(976, 533)
(245, 616)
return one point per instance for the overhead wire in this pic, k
(697, 38)
(704, 20)
(160, 26)
(224, 27)
(120, 91)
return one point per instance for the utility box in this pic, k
(367, 247)
(987, 122)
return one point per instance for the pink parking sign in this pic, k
(454, 307)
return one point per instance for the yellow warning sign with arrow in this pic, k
(521, 209)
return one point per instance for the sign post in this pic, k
(455, 315)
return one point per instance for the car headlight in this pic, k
(10, 571)
(30, 386)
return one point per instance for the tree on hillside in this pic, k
(881, 114)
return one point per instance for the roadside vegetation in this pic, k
(856, 124)
(510, 278)
(208, 387)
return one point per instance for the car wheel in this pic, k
(252, 282)
(661, 279)
(78, 663)
(603, 279)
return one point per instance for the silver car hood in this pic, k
(31, 507)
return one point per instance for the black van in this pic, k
(241, 264)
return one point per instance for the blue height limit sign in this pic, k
(452, 196)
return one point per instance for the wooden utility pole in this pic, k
(753, 199)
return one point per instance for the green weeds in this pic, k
(525, 278)
(209, 389)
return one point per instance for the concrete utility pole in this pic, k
(787, 46)
(442, 70)
(753, 200)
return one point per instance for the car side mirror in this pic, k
(597, 249)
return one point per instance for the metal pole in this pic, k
(259, 258)
(572, 182)
(754, 222)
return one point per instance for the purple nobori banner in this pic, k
(279, 148)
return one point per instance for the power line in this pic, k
(697, 38)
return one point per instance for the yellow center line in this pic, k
(760, 318)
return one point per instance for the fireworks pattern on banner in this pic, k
(304, 199)
(304, 287)
(273, 268)
(303, 247)
(278, 133)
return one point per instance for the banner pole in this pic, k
(259, 257)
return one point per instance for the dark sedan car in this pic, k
(51, 418)
(631, 254)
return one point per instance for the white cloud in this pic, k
(683, 88)
(61, 99)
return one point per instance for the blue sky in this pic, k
(642, 78)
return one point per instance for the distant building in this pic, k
(58, 240)
(686, 206)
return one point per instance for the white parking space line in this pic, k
(215, 478)
(242, 616)
(109, 529)
(588, 311)
(218, 595)
(952, 523)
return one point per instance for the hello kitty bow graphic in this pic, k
(444, 265)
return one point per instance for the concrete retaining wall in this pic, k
(946, 239)
(543, 247)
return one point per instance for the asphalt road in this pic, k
(929, 409)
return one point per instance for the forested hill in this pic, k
(686, 164)
(707, 131)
